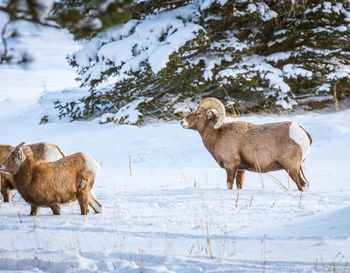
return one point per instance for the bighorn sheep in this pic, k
(238, 146)
(41, 151)
(6, 184)
(50, 184)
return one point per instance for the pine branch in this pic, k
(14, 16)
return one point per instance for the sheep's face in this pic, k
(199, 119)
(13, 161)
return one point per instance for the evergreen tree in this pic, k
(83, 18)
(254, 55)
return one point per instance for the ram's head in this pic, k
(14, 160)
(210, 112)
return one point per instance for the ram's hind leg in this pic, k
(83, 202)
(85, 183)
(297, 174)
(240, 179)
(56, 209)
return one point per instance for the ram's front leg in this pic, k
(240, 179)
(6, 192)
(231, 172)
(34, 210)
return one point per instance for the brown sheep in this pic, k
(238, 146)
(6, 184)
(50, 184)
(41, 151)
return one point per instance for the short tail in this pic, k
(94, 204)
(308, 135)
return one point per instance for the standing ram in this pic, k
(50, 184)
(238, 146)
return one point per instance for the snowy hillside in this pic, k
(166, 206)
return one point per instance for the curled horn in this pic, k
(213, 103)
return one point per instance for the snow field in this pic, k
(157, 218)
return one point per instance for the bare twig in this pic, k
(15, 17)
(335, 97)
(130, 165)
(4, 42)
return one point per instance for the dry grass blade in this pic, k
(257, 166)
(276, 181)
(315, 264)
(301, 197)
(263, 252)
(208, 241)
(19, 217)
(251, 200)
(288, 181)
(273, 204)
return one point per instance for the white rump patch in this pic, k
(52, 154)
(92, 165)
(300, 137)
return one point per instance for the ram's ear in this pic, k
(210, 114)
(20, 145)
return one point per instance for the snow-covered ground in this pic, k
(166, 206)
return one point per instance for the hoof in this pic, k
(305, 187)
